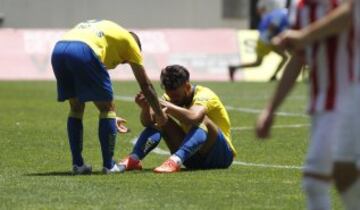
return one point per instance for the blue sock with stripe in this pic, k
(107, 137)
(148, 140)
(75, 137)
(192, 143)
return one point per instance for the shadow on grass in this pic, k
(99, 173)
(61, 173)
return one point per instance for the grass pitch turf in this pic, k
(35, 156)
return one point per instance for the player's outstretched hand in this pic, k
(264, 124)
(120, 125)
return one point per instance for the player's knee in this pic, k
(105, 106)
(77, 110)
(345, 174)
(76, 106)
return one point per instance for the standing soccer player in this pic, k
(347, 147)
(81, 61)
(331, 76)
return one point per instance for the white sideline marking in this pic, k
(258, 111)
(235, 162)
(245, 110)
(125, 98)
(244, 128)
(266, 165)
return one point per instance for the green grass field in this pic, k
(35, 157)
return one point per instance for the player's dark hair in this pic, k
(137, 39)
(173, 76)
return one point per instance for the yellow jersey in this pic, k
(109, 41)
(215, 110)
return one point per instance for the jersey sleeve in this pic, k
(203, 98)
(133, 54)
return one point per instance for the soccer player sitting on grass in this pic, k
(197, 132)
(81, 60)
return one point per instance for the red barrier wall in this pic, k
(25, 54)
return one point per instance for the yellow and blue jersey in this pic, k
(215, 110)
(110, 42)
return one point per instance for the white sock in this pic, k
(134, 156)
(176, 159)
(317, 193)
(351, 197)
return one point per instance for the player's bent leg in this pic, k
(319, 161)
(75, 136)
(347, 181)
(347, 152)
(219, 155)
(147, 141)
(191, 144)
(173, 135)
(107, 135)
(345, 174)
(284, 59)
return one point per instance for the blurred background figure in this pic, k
(274, 20)
(326, 43)
(2, 17)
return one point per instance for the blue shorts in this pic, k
(219, 156)
(79, 73)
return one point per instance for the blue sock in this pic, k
(148, 140)
(192, 143)
(107, 137)
(75, 136)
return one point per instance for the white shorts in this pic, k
(347, 146)
(319, 159)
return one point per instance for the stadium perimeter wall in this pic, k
(205, 52)
(128, 13)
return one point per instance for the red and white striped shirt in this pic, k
(356, 22)
(330, 60)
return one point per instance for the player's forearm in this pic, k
(185, 115)
(145, 117)
(152, 99)
(286, 83)
(147, 88)
(335, 22)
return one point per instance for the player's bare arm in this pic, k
(149, 92)
(146, 115)
(335, 22)
(287, 81)
(192, 116)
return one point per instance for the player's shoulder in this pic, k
(204, 92)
